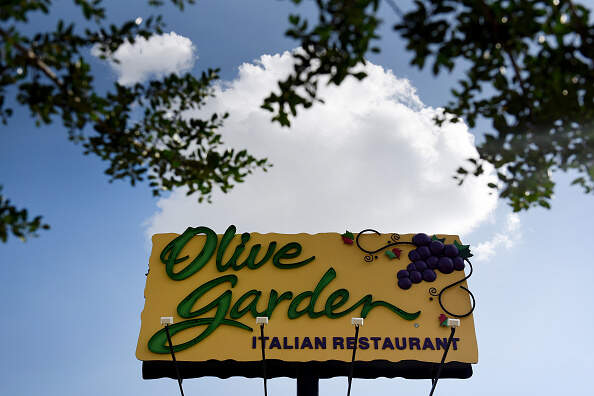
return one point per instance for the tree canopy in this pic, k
(528, 69)
(164, 146)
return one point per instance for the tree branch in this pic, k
(517, 70)
(34, 59)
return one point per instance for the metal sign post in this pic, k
(308, 385)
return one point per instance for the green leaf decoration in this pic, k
(435, 238)
(348, 235)
(463, 249)
(390, 254)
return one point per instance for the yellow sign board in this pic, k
(310, 287)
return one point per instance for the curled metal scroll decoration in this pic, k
(395, 238)
(461, 287)
(369, 257)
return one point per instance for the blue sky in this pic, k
(72, 297)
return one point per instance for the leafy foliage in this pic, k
(16, 222)
(333, 49)
(529, 70)
(145, 131)
(529, 67)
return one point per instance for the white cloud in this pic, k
(371, 156)
(486, 250)
(159, 55)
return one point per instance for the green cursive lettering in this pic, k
(171, 251)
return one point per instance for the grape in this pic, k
(451, 251)
(416, 277)
(458, 263)
(413, 255)
(411, 267)
(421, 239)
(429, 275)
(420, 265)
(446, 265)
(432, 262)
(402, 274)
(424, 252)
(436, 247)
(404, 283)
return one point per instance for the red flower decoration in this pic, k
(442, 317)
(347, 240)
(397, 252)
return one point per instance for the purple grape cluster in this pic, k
(429, 257)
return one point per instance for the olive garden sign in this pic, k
(309, 286)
